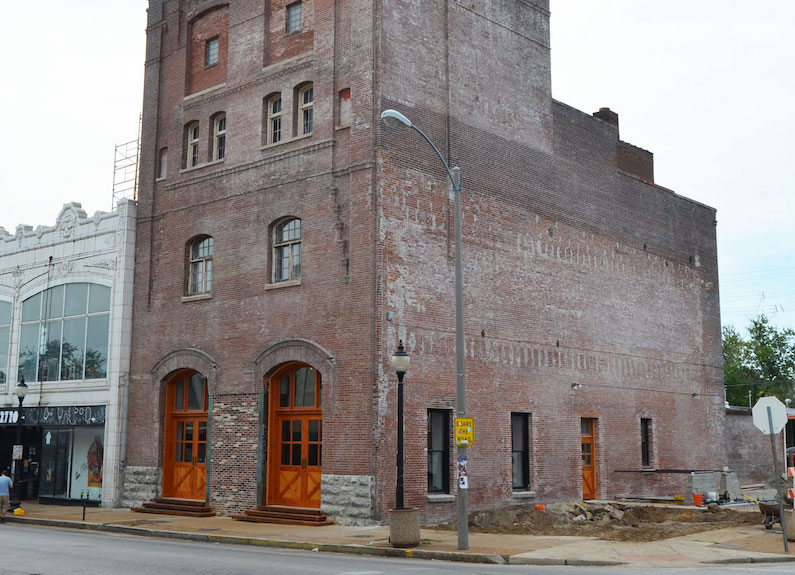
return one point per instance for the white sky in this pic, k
(706, 85)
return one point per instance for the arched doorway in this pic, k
(185, 449)
(295, 443)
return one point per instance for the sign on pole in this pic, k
(770, 417)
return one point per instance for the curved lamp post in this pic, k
(394, 119)
(21, 391)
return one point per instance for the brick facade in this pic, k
(578, 269)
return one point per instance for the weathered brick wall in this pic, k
(203, 27)
(748, 449)
(324, 179)
(573, 271)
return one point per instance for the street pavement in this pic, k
(720, 547)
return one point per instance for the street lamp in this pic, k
(400, 363)
(404, 522)
(395, 119)
(21, 391)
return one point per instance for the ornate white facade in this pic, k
(94, 255)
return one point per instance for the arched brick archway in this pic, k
(292, 473)
(184, 429)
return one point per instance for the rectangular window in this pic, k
(438, 451)
(211, 48)
(520, 451)
(5, 328)
(193, 145)
(275, 120)
(306, 98)
(645, 442)
(293, 17)
(219, 142)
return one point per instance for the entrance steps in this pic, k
(183, 507)
(284, 516)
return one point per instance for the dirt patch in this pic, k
(611, 522)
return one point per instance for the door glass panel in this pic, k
(285, 431)
(179, 395)
(203, 431)
(585, 426)
(284, 391)
(202, 452)
(188, 452)
(314, 430)
(297, 430)
(188, 431)
(180, 452)
(196, 392)
(180, 431)
(286, 454)
(314, 454)
(296, 460)
(300, 383)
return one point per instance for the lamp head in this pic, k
(394, 119)
(22, 389)
(400, 360)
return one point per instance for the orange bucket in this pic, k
(540, 507)
(697, 498)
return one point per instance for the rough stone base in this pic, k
(348, 499)
(140, 485)
(730, 484)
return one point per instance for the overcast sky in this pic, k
(706, 85)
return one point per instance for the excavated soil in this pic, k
(611, 522)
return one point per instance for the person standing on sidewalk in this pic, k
(5, 490)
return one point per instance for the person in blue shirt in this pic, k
(5, 485)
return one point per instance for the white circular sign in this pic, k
(778, 411)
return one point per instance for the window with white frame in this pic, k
(200, 266)
(306, 102)
(211, 51)
(287, 251)
(64, 333)
(192, 136)
(274, 112)
(219, 137)
(5, 329)
(293, 17)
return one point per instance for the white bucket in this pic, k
(712, 495)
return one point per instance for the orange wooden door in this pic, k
(185, 452)
(588, 454)
(296, 443)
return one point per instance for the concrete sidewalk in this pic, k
(731, 545)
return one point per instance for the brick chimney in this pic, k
(607, 115)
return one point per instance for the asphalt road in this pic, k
(49, 551)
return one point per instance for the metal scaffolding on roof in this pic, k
(125, 169)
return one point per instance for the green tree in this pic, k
(763, 364)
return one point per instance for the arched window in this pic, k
(200, 266)
(192, 145)
(219, 137)
(306, 102)
(65, 333)
(5, 327)
(274, 118)
(287, 251)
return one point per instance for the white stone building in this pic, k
(65, 321)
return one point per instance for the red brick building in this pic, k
(287, 240)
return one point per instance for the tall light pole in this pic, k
(395, 119)
(21, 392)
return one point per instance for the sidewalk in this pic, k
(731, 545)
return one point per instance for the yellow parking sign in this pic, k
(464, 431)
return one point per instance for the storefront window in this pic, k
(64, 333)
(5, 326)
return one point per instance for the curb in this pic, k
(275, 543)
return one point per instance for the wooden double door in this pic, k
(295, 448)
(185, 451)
